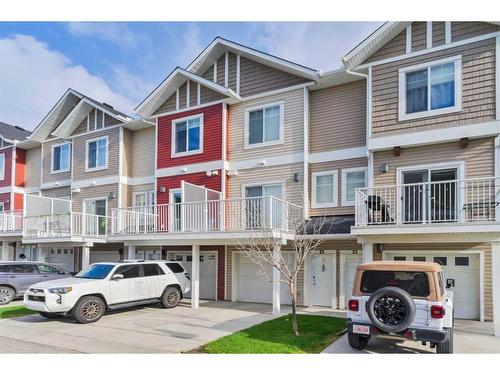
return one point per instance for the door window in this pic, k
(258, 211)
(129, 271)
(95, 225)
(152, 270)
(22, 268)
(45, 268)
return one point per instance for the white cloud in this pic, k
(33, 77)
(318, 45)
(189, 46)
(115, 32)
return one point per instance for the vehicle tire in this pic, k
(391, 309)
(356, 341)
(446, 347)
(48, 315)
(7, 294)
(170, 297)
(88, 309)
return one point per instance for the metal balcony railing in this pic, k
(11, 221)
(455, 201)
(231, 215)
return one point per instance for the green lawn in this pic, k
(275, 336)
(14, 312)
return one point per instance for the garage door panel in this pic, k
(104, 256)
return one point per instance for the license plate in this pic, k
(362, 330)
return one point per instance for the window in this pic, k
(440, 260)
(129, 271)
(95, 271)
(399, 259)
(430, 89)
(352, 178)
(419, 259)
(152, 270)
(264, 125)
(97, 154)
(461, 261)
(2, 206)
(175, 267)
(44, 268)
(22, 268)
(61, 158)
(93, 208)
(187, 136)
(325, 189)
(2, 166)
(415, 283)
(144, 198)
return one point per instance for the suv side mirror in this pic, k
(450, 283)
(117, 276)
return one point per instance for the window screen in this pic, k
(415, 283)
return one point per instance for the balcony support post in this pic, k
(131, 252)
(6, 254)
(495, 278)
(85, 256)
(367, 252)
(195, 277)
(276, 281)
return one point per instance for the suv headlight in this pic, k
(62, 290)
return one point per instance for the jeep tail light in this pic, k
(437, 312)
(187, 276)
(353, 305)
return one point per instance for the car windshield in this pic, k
(415, 283)
(95, 271)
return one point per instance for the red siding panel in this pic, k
(8, 167)
(5, 199)
(20, 167)
(212, 137)
(174, 182)
(18, 201)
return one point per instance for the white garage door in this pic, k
(61, 257)
(253, 286)
(348, 271)
(462, 267)
(104, 256)
(208, 271)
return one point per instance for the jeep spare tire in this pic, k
(391, 309)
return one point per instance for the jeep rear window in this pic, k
(175, 267)
(415, 283)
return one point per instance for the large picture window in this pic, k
(187, 136)
(264, 125)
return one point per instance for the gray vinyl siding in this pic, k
(193, 93)
(208, 95)
(464, 30)
(232, 71)
(338, 117)
(169, 105)
(438, 37)
(395, 47)
(418, 36)
(33, 167)
(142, 153)
(99, 191)
(478, 91)
(47, 177)
(61, 192)
(183, 96)
(221, 66)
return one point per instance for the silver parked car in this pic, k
(16, 277)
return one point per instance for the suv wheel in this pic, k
(391, 309)
(446, 347)
(7, 294)
(170, 297)
(48, 315)
(88, 309)
(357, 341)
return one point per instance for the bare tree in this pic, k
(305, 239)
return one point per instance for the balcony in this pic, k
(450, 206)
(212, 219)
(11, 223)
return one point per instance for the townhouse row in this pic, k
(398, 152)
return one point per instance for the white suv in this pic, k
(109, 286)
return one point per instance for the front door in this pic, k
(95, 221)
(322, 283)
(175, 210)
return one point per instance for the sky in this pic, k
(120, 63)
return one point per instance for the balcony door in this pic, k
(95, 218)
(175, 210)
(260, 212)
(429, 195)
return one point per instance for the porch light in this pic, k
(397, 151)
(296, 177)
(163, 189)
(384, 168)
(112, 195)
(464, 142)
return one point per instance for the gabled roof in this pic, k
(220, 45)
(335, 77)
(170, 85)
(12, 133)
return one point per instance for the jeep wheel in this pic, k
(7, 294)
(88, 309)
(48, 315)
(391, 309)
(357, 341)
(170, 297)
(446, 347)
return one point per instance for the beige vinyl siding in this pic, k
(395, 47)
(438, 37)
(183, 96)
(79, 155)
(455, 246)
(478, 91)
(257, 78)
(293, 191)
(33, 167)
(338, 117)
(61, 192)
(142, 155)
(464, 30)
(93, 192)
(169, 105)
(478, 157)
(418, 36)
(125, 200)
(47, 177)
(333, 166)
(127, 152)
(293, 122)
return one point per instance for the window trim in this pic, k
(345, 171)
(280, 141)
(402, 115)
(2, 170)
(87, 142)
(101, 198)
(174, 154)
(335, 202)
(2, 205)
(52, 171)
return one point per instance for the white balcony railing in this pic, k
(11, 221)
(455, 201)
(70, 224)
(207, 216)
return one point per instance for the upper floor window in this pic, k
(2, 166)
(352, 178)
(97, 154)
(325, 189)
(430, 89)
(264, 125)
(187, 136)
(60, 158)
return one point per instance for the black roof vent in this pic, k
(107, 105)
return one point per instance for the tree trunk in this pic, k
(295, 324)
